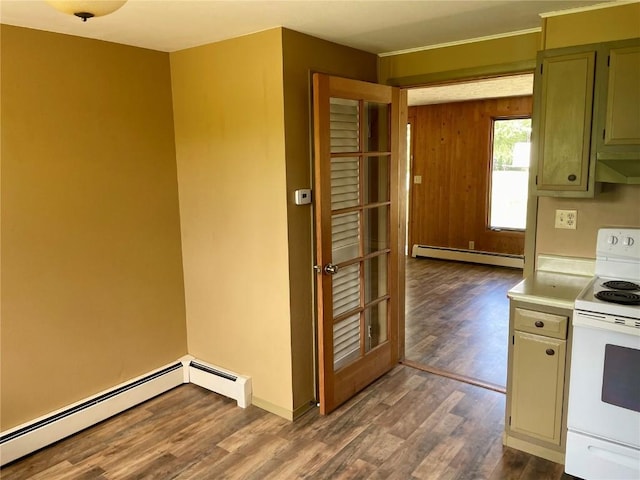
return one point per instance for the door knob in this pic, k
(330, 269)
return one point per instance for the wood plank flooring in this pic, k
(408, 425)
(457, 317)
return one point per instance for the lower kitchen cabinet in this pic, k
(537, 380)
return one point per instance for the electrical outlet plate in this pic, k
(566, 219)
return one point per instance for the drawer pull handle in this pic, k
(550, 351)
(539, 324)
(572, 178)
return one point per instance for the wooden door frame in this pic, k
(402, 173)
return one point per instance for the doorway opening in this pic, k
(458, 180)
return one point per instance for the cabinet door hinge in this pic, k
(604, 131)
(541, 65)
(513, 339)
(509, 420)
(536, 179)
(608, 60)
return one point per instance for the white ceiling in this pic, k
(509, 86)
(376, 26)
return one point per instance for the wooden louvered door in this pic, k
(356, 140)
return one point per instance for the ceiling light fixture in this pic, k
(87, 8)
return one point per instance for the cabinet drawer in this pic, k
(541, 323)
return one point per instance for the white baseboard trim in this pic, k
(473, 256)
(43, 431)
(36, 434)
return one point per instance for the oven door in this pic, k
(604, 392)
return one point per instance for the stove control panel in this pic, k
(623, 243)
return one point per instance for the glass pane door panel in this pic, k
(378, 131)
(345, 182)
(376, 179)
(375, 278)
(376, 324)
(345, 236)
(344, 123)
(346, 289)
(376, 229)
(346, 341)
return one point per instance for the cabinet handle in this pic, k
(550, 351)
(572, 178)
(539, 324)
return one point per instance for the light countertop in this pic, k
(556, 282)
(550, 288)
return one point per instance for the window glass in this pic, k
(510, 173)
(621, 377)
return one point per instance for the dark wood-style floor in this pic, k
(408, 425)
(457, 317)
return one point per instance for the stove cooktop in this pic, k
(618, 296)
(599, 297)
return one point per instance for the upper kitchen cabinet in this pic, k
(563, 105)
(586, 118)
(617, 114)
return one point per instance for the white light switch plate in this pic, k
(566, 219)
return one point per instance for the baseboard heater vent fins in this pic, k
(213, 371)
(28, 438)
(218, 380)
(472, 256)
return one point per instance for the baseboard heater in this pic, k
(473, 256)
(28, 438)
(34, 435)
(221, 381)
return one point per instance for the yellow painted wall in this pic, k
(92, 290)
(488, 57)
(243, 147)
(616, 205)
(592, 26)
(303, 55)
(230, 148)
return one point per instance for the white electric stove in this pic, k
(603, 438)
(615, 289)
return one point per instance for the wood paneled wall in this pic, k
(451, 148)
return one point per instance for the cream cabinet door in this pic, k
(564, 105)
(623, 97)
(537, 388)
(616, 130)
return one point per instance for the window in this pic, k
(510, 174)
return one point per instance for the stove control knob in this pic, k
(627, 241)
(612, 240)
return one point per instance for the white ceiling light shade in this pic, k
(87, 8)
